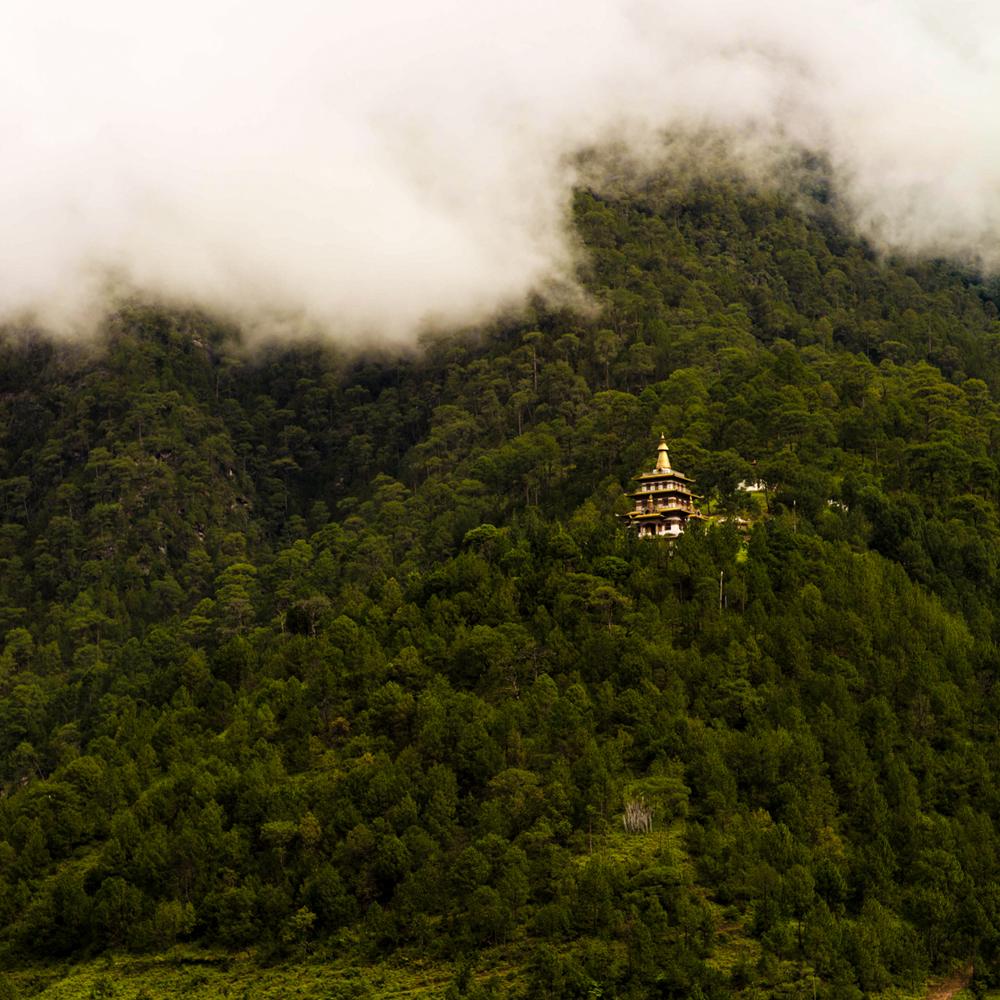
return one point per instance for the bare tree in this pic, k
(638, 817)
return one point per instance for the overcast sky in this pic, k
(371, 167)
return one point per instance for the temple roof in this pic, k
(664, 476)
(663, 469)
(656, 515)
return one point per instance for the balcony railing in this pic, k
(652, 508)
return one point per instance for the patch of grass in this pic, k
(733, 948)
(214, 976)
(664, 847)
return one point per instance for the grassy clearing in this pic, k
(664, 846)
(208, 976)
(202, 974)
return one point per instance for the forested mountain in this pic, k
(350, 658)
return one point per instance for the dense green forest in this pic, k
(330, 658)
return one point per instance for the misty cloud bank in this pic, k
(368, 168)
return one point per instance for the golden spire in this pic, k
(662, 458)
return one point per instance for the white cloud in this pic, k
(365, 167)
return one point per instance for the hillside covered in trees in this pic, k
(329, 659)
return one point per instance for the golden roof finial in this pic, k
(662, 458)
